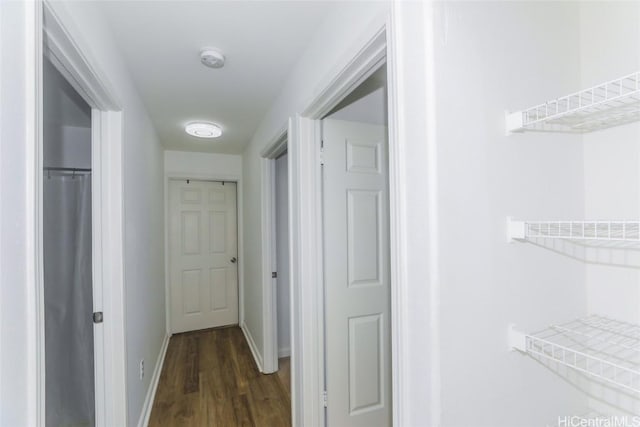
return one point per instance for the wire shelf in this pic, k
(604, 231)
(609, 104)
(599, 347)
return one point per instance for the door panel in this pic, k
(357, 277)
(365, 363)
(203, 242)
(364, 245)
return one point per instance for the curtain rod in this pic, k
(67, 169)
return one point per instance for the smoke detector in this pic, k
(212, 58)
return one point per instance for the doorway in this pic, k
(203, 254)
(99, 217)
(67, 254)
(357, 277)
(309, 327)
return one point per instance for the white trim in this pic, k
(113, 295)
(364, 63)
(269, 284)
(273, 149)
(33, 217)
(397, 231)
(182, 175)
(277, 145)
(153, 386)
(72, 59)
(305, 210)
(97, 256)
(252, 346)
(434, 406)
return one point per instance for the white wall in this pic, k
(612, 156)
(489, 57)
(328, 51)
(17, 303)
(201, 164)
(610, 48)
(143, 203)
(282, 256)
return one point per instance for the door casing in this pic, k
(273, 150)
(61, 45)
(307, 363)
(203, 177)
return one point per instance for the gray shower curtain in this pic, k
(68, 301)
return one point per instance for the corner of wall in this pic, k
(255, 351)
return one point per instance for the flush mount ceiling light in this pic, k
(203, 130)
(211, 57)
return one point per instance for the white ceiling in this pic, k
(161, 43)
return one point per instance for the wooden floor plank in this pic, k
(209, 378)
(192, 372)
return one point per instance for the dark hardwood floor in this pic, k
(209, 378)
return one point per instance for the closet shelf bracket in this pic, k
(517, 339)
(516, 230)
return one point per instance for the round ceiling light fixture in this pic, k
(211, 58)
(203, 130)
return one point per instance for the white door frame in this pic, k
(272, 150)
(61, 44)
(306, 230)
(168, 176)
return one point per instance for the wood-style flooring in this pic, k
(209, 378)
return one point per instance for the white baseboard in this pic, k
(252, 346)
(153, 386)
(284, 352)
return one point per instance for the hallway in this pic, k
(209, 378)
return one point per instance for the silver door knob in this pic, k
(233, 260)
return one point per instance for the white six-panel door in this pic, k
(357, 277)
(203, 255)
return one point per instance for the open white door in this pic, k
(203, 254)
(357, 277)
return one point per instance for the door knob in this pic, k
(233, 260)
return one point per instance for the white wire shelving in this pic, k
(609, 104)
(602, 348)
(625, 231)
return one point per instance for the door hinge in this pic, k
(324, 398)
(97, 317)
(274, 274)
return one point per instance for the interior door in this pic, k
(357, 278)
(203, 255)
